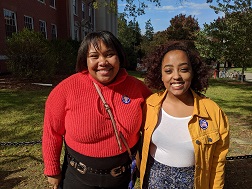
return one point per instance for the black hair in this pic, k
(94, 39)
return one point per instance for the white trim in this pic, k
(31, 20)
(54, 6)
(3, 57)
(56, 31)
(44, 27)
(15, 19)
(42, 1)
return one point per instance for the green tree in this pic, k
(149, 30)
(129, 34)
(212, 42)
(236, 35)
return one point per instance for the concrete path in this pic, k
(248, 77)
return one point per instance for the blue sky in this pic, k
(161, 16)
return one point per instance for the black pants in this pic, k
(72, 179)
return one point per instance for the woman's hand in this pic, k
(54, 181)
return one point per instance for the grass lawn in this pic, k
(22, 117)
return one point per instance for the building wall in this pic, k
(106, 19)
(62, 16)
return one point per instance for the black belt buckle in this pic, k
(117, 171)
(82, 168)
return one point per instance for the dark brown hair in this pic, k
(94, 39)
(153, 77)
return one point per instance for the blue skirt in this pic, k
(159, 176)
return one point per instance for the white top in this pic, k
(171, 141)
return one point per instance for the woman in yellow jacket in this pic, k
(186, 135)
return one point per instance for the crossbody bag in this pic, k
(119, 138)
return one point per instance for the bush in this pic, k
(65, 53)
(29, 55)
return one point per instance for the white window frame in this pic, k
(54, 28)
(27, 23)
(76, 33)
(83, 10)
(42, 1)
(42, 28)
(52, 3)
(12, 18)
(75, 7)
(91, 12)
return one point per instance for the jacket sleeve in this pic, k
(219, 156)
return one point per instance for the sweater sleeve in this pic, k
(53, 131)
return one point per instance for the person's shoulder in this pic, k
(70, 80)
(207, 101)
(66, 84)
(155, 96)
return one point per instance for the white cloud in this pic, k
(168, 8)
(198, 6)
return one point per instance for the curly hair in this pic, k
(153, 76)
(94, 39)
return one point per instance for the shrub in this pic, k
(29, 55)
(65, 53)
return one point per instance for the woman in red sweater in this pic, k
(96, 156)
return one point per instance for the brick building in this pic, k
(55, 19)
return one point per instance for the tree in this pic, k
(183, 28)
(149, 30)
(238, 19)
(212, 42)
(129, 34)
(132, 10)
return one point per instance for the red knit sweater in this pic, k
(74, 110)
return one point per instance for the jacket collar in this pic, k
(200, 110)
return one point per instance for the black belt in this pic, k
(83, 169)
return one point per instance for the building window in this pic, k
(28, 22)
(83, 10)
(42, 1)
(75, 8)
(52, 3)
(42, 28)
(10, 22)
(54, 31)
(76, 33)
(90, 12)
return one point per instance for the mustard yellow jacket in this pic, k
(210, 143)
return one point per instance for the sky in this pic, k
(161, 16)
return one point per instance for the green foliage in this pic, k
(149, 30)
(65, 53)
(129, 34)
(30, 55)
(224, 37)
(133, 10)
(212, 41)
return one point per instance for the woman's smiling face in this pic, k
(177, 73)
(103, 63)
